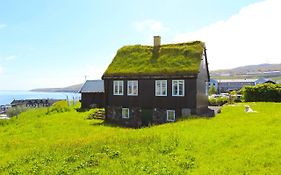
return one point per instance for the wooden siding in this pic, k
(146, 96)
(89, 100)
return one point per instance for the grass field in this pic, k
(233, 142)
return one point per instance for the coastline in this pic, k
(7, 96)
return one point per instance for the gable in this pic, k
(171, 59)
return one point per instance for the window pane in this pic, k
(120, 87)
(175, 88)
(164, 86)
(135, 88)
(158, 86)
(115, 88)
(180, 84)
(129, 87)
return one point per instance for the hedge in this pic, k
(263, 92)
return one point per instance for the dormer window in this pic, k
(118, 87)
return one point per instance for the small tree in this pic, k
(212, 90)
(232, 97)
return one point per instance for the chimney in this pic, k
(157, 41)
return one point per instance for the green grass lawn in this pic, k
(233, 142)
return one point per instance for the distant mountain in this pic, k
(260, 68)
(272, 71)
(73, 88)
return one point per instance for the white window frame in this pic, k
(161, 88)
(169, 120)
(178, 86)
(118, 83)
(133, 84)
(123, 113)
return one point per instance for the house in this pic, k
(33, 103)
(92, 94)
(234, 84)
(237, 84)
(263, 80)
(156, 84)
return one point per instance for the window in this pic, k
(178, 87)
(117, 87)
(161, 88)
(132, 88)
(171, 115)
(125, 112)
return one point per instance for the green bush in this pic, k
(59, 107)
(212, 90)
(263, 92)
(97, 113)
(14, 111)
(219, 101)
(232, 97)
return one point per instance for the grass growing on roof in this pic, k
(169, 59)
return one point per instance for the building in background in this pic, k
(92, 94)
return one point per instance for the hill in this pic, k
(233, 142)
(251, 68)
(73, 88)
(272, 71)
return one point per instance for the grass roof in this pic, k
(167, 59)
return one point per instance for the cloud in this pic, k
(11, 57)
(151, 26)
(250, 37)
(2, 26)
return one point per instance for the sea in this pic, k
(6, 97)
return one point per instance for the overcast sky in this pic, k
(56, 43)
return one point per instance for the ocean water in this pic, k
(6, 97)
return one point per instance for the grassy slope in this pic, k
(234, 142)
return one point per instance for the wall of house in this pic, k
(147, 101)
(202, 87)
(89, 100)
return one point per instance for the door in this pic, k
(146, 116)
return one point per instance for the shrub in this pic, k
(59, 107)
(219, 101)
(97, 113)
(212, 90)
(232, 97)
(263, 92)
(14, 111)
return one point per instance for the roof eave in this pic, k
(119, 77)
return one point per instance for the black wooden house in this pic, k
(92, 94)
(156, 84)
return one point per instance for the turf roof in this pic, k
(170, 59)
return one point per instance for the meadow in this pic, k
(65, 142)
